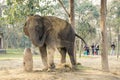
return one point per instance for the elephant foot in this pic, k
(74, 68)
(44, 69)
(50, 70)
(52, 66)
(64, 67)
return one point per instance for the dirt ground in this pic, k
(11, 69)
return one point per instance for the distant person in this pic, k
(96, 49)
(93, 48)
(113, 48)
(86, 50)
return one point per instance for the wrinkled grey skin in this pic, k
(50, 33)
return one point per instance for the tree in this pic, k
(104, 54)
(72, 19)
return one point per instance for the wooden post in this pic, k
(27, 60)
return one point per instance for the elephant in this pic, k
(49, 33)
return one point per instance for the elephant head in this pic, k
(35, 28)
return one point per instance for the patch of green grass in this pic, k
(12, 54)
(18, 54)
(15, 54)
(15, 51)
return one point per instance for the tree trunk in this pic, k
(72, 19)
(118, 46)
(104, 53)
(110, 35)
(72, 15)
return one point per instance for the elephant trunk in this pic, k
(37, 40)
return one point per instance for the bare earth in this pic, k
(13, 70)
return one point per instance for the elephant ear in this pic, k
(25, 30)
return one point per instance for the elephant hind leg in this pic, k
(72, 56)
(63, 54)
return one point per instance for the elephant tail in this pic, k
(81, 38)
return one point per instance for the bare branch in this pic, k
(64, 7)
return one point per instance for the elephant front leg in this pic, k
(43, 52)
(51, 50)
(63, 55)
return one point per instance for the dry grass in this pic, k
(11, 69)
